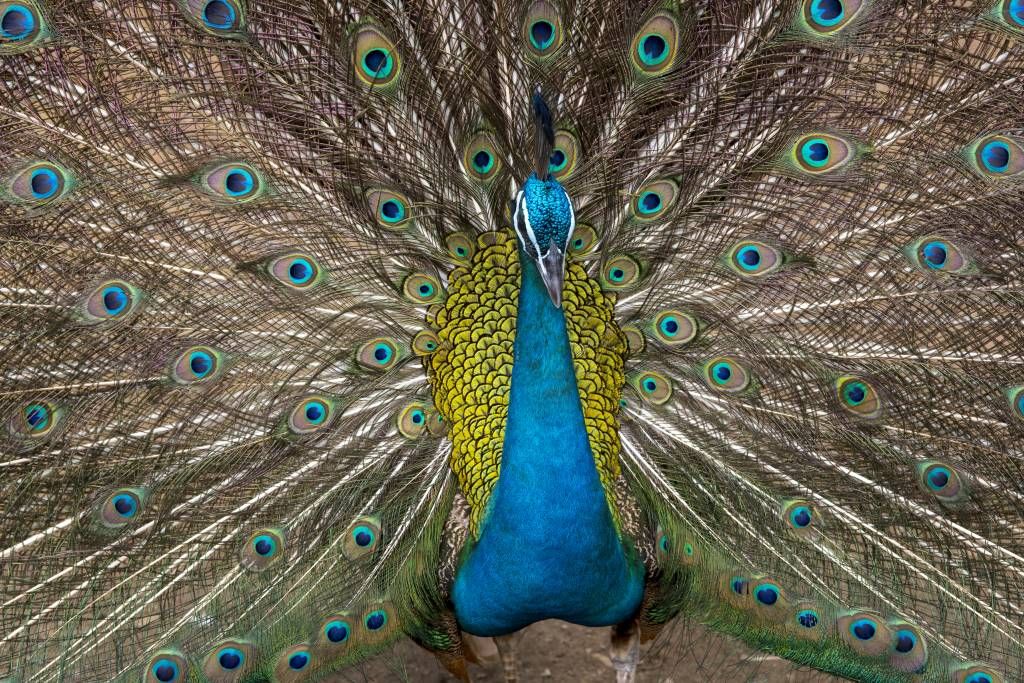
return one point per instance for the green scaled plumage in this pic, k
(231, 232)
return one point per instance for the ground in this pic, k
(555, 651)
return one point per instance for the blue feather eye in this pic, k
(481, 157)
(460, 247)
(196, 364)
(264, 549)
(674, 328)
(412, 420)
(296, 271)
(311, 415)
(977, 673)
(858, 397)
(865, 633)
(22, 25)
(821, 153)
(361, 538)
(767, 594)
(564, 154)
(40, 183)
(800, 515)
(584, 238)
(113, 300)
(376, 60)
(652, 387)
(223, 18)
(168, 666)
(726, 374)
(942, 481)
(997, 156)
(654, 200)
(542, 30)
(376, 620)
(293, 660)
(35, 420)
(909, 651)
(829, 16)
(378, 354)
(120, 508)
(229, 660)
(655, 46)
(807, 618)
(1015, 395)
(754, 259)
(421, 288)
(235, 182)
(336, 631)
(620, 272)
(1013, 13)
(936, 254)
(390, 209)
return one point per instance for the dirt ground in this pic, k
(553, 651)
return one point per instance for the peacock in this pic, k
(326, 324)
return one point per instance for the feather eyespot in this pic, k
(942, 481)
(235, 182)
(113, 300)
(821, 153)
(754, 259)
(361, 538)
(336, 630)
(1012, 13)
(294, 663)
(727, 375)
(375, 58)
(35, 420)
(807, 618)
(655, 46)
(481, 158)
(40, 183)
(390, 209)
(858, 397)
(412, 420)
(378, 354)
(311, 415)
(620, 272)
(420, 288)
(121, 507)
(909, 651)
(584, 238)
(229, 660)
(22, 25)
(674, 328)
(977, 673)
(264, 549)
(653, 200)
(828, 16)
(460, 247)
(998, 156)
(542, 30)
(865, 633)
(197, 364)
(768, 595)
(168, 666)
(653, 387)
(376, 620)
(800, 515)
(296, 271)
(1015, 395)
(564, 154)
(938, 254)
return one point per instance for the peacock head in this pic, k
(544, 221)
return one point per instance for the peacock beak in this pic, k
(552, 271)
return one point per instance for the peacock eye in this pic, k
(564, 154)
(939, 255)
(1013, 14)
(821, 153)
(654, 200)
(653, 387)
(311, 415)
(942, 481)
(390, 209)
(998, 156)
(726, 374)
(233, 182)
(654, 48)
(196, 364)
(800, 515)
(264, 549)
(120, 508)
(865, 633)
(40, 183)
(620, 272)
(35, 420)
(674, 328)
(829, 16)
(378, 354)
(22, 25)
(421, 288)
(584, 238)
(753, 259)
(858, 397)
(297, 271)
(167, 666)
(112, 300)
(1016, 398)
(336, 631)
(542, 30)
(377, 62)
(481, 157)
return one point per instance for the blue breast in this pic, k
(548, 547)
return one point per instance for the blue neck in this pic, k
(548, 547)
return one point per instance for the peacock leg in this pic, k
(625, 651)
(507, 651)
